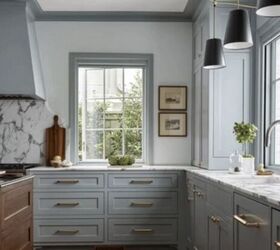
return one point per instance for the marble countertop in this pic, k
(266, 188)
(5, 182)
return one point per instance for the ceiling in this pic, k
(114, 5)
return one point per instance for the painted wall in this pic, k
(171, 44)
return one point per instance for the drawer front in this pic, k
(16, 204)
(68, 181)
(69, 203)
(136, 180)
(143, 203)
(143, 230)
(74, 230)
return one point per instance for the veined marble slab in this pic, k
(22, 130)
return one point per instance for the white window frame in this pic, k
(144, 61)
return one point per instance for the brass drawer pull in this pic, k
(67, 181)
(215, 219)
(242, 220)
(277, 244)
(141, 204)
(142, 230)
(67, 232)
(142, 182)
(74, 204)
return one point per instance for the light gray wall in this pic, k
(171, 44)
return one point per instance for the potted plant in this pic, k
(246, 134)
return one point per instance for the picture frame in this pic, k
(173, 98)
(172, 124)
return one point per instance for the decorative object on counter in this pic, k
(261, 170)
(172, 124)
(66, 163)
(121, 160)
(246, 134)
(268, 8)
(55, 139)
(214, 55)
(56, 161)
(238, 33)
(235, 160)
(173, 98)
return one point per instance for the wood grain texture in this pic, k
(16, 212)
(55, 139)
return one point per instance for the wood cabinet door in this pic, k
(251, 224)
(275, 230)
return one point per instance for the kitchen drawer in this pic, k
(84, 203)
(138, 180)
(66, 231)
(68, 181)
(143, 203)
(143, 230)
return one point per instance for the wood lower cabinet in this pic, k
(16, 223)
(251, 224)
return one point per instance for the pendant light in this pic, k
(214, 54)
(268, 8)
(238, 32)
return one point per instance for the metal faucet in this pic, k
(269, 131)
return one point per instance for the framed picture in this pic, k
(173, 97)
(172, 124)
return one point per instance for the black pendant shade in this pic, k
(238, 32)
(268, 8)
(214, 54)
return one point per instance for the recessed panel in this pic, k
(114, 5)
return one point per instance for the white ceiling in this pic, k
(114, 5)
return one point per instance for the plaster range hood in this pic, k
(20, 66)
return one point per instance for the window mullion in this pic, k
(104, 113)
(123, 108)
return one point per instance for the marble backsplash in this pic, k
(22, 130)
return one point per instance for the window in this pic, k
(272, 97)
(110, 111)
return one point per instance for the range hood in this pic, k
(20, 66)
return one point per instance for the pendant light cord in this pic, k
(214, 18)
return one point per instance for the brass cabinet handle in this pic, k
(67, 181)
(65, 204)
(142, 182)
(141, 204)
(142, 230)
(215, 219)
(242, 220)
(277, 244)
(67, 232)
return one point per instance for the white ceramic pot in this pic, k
(248, 165)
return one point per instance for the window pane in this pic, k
(278, 59)
(133, 82)
(113, 113)
(113, 143)
(113, 82)
(94, 145)
(133, 143)
(133, 109)
(95, 83)
(95, 113)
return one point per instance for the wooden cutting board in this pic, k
(55, 139)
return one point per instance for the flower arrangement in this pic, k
(245, 134)
(121, 160)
